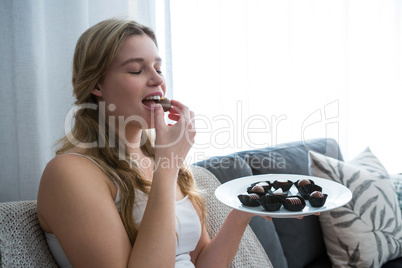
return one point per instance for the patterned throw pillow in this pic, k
(366, 232)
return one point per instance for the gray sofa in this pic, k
(289, 243)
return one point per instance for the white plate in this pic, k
(338, 195)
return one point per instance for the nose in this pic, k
(156, 79)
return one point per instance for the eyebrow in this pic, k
(140, 60)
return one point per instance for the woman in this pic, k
(111, 197)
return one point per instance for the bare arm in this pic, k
(156, 239)
(158, 227)
(220, 251)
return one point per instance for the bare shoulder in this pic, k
(70, 178)
(72, 162)
(70, 170)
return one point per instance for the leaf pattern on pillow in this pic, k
(354, 256)
(357, 193)
(323, 169)
(372, 215)
(354, 177)
(365, 207)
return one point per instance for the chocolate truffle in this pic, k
(303, 182)
(166, 105)
(317, 194)
(285, 185)
(258, 189)
(293, 201)
(263, 183)
(254, 196)
(251, 200)
(317, 199)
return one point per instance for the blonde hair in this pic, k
(94, 53)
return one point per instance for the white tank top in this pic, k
(188, 228)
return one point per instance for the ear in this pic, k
(96, 91)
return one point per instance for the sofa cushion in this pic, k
(301, 240)
(289, 158)
(230, 167)
(250, 253)
(226, 168)
(366, 232)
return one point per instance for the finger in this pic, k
(181, 109)
(299, 218)
(174, 110)
(266, 217)
(192, 118)
(174, 117)
(192, 121)
(159, 118)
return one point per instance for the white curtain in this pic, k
(36, 49)
(261, 72)
(256, 72)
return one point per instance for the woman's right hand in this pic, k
(173, 142)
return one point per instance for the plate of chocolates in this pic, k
(283, 195)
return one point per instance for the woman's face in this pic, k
(133, 77)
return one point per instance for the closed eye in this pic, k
(135, 72)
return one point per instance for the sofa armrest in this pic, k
(250, 252)
(22, 241)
